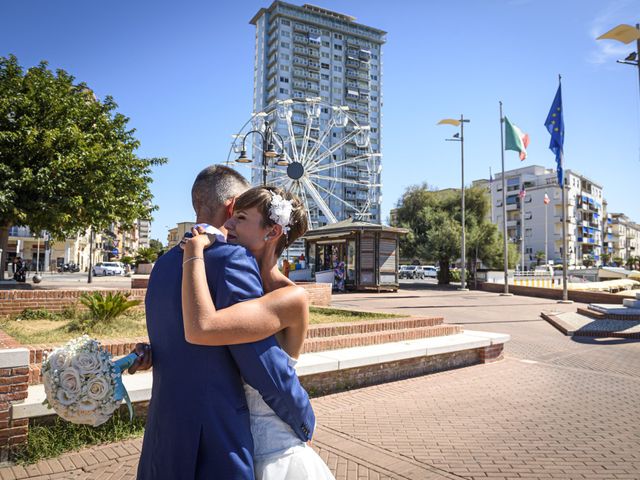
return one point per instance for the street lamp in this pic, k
(626, 34)
(459, 137)
(268, 150)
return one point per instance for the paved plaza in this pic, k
(555, 408)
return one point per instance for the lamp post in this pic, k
(459, 137)
(626, 34)
(268, 150)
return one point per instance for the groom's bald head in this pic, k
(213, 187)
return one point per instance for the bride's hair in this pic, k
(261, 198)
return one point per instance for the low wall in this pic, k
(554, 293)
(15, 301)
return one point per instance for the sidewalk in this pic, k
(555, 408)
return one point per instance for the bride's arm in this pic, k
(243, 322)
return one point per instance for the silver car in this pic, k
(108, 268)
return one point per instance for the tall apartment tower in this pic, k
(309, 52)
(589, 231)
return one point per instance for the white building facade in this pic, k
(309, 52)
(588, 227)
(625, 237)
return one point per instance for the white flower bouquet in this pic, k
(83, 384)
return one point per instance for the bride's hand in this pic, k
(199, 242)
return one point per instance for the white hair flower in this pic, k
(280, 211)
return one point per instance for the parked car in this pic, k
(430, 271)
(411, 271)
(108, 268)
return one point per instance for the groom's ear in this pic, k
(229, 206)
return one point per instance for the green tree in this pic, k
(156, 245)
(539, 257)
(606, 258)
(146, 255)
(434, 222)
(618, 261)
(67, 160)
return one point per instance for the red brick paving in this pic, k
(556, 408)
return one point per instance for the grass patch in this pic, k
(60, 436)
(46, 327)
(61, 329)
(334, 315)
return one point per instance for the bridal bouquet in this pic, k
(83, 384)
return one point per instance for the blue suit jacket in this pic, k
(198, 420)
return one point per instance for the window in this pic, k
(374, 56)
(285, 22)
(338, 58)
(325, 66)
(337, 79)
(284, 56)
(374, 77)
(337, 90)
(284, 79)
(374, 130)
(499, 203)
(324, 88)
(284, 68)
(337, 46)
(284, 44)
(337, 68)
(284, 90)
(337, 36)
(374, 98)
(528, 232)
(324, 76)
(325, 55)
(326, 44)
(286, 33)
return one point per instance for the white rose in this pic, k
(58, 360)
(87, 405)
(97, 388)
(66, 398)
(70, 380)
(87, 363)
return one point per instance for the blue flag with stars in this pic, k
(555, 126)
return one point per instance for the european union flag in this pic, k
(555, 126)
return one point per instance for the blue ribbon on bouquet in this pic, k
(120, 392)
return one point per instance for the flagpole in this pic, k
(463, 269)
(522, 195)
(546, 236)
(565, 289)
(504, 210)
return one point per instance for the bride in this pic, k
(265, 221)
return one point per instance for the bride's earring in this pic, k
(266, 238)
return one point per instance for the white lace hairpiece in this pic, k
(280, 211)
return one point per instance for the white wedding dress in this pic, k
(278, 452)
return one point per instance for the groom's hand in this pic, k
(144, 360)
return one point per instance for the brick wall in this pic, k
(554, 293)
(15, 301)
(14, 383)
(331, 382)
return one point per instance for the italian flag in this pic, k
(515, 139)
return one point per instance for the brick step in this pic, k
(320, 344)
(591, 313)
(370, 326)
(611, 312)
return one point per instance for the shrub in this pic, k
(146, 255)
(105, 308)
(37, 314)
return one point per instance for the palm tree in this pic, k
(630, 263)
(618, 261)
(539, 257)
(606, 258)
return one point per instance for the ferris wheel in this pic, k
(315, 150)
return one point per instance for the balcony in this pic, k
(300, 39)
(298, 27)
(313, 64)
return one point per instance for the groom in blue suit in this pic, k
(198, 419)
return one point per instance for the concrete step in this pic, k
(615, 312)
(631, 303)
(319, 344)
(327, 362)
(350, 328)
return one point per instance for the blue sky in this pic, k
(182, 71)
